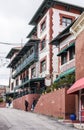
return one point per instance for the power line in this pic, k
(21, 43)
(12, 44)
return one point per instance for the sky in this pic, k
(14, 18)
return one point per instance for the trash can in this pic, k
(73, 117)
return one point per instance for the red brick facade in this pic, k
(19, 103)
(50, 34)
(56, 104)
(2, 91)
(64, 8)
(80, 56)
(3, 104)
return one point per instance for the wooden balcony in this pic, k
(26, 63)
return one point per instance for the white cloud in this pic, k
(75, 2)
(14, 18)
(4, 76)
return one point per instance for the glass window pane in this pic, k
(66, 21)
(43, 65)
(63, 58)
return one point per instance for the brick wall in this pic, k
(70, 104)
(3, 104)
(19, 103)
(80, 56)
(2, 90)
(57, 104)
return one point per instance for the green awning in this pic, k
(66, 49)
(10, 93)
(71, 45)
(62, 51)
(36, 79)
(57, 79)
(22, 85)
(69, 71)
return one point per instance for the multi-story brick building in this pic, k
(11, 55)
(37, 59)
(50, 19)
(70, 60)
(78, 87)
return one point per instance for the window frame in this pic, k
(17, 82)
(43, 65)
(33, 73)
(72, 53)
(63, 61)
(41, 62)
(66, 16)
(43, 25)
(65, 22)
(41, 43)
(12, 85)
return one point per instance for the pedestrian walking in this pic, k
(26, 105)
(34, 104)
(9, 102)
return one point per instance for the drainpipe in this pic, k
(80, 118)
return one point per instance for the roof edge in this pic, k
(46, 4)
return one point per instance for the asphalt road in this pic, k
(12, 119)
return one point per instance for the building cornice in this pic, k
(32, 32)
(78, 26)
(12, 51)
(46, 4)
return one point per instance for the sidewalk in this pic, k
(75, 124)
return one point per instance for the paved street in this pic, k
(12, 119)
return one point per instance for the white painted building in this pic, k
(49, 20)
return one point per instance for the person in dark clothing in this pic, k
(34, 104)
(26, 105)
(9, 102)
